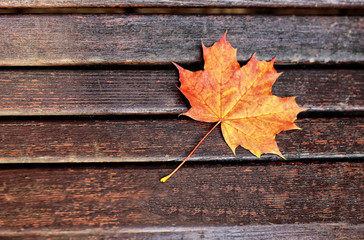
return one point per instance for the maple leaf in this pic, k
(238, 98)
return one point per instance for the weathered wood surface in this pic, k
(181, 3)
(315, 231)
(123, 195)
(317, 194)
(31, 40)
(160, 140)
(121, 91)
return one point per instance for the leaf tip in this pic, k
(223, 38)
(177, 66)
(183, 114)
(203, 45)
(278, 153)
(253, 59)
(303, 109)
(232, 147)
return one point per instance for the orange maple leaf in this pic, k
(239, 98)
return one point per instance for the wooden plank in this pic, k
(181, 3)
(33, 40)
(161, 140)
(315, 231)
(104, 92)
(123, 195)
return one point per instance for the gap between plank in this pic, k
(189, 11)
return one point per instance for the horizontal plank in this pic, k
(162, 140)
(104, 92)
(123, 195)
(315, 231)
(33, 40)
(180, 3)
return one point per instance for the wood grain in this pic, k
(161, 140)
(105, 183)
(181, 3)
(34, 40)
(120, 91)
(79, 197)
(315, 231)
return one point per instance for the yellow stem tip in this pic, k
(163, 179)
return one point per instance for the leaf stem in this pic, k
(163, 179)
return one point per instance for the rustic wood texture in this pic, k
(105, 183)
(78, 197)
(31, 40)
(315, 231)
(181, 3)
(162, 140)
(121, 91)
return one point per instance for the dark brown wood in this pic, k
(32, 40)
(104, 92)
(316, 231)
(79, 197)
(164, 140)
(181, 3)
(105, 184)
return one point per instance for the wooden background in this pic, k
(89, 122)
